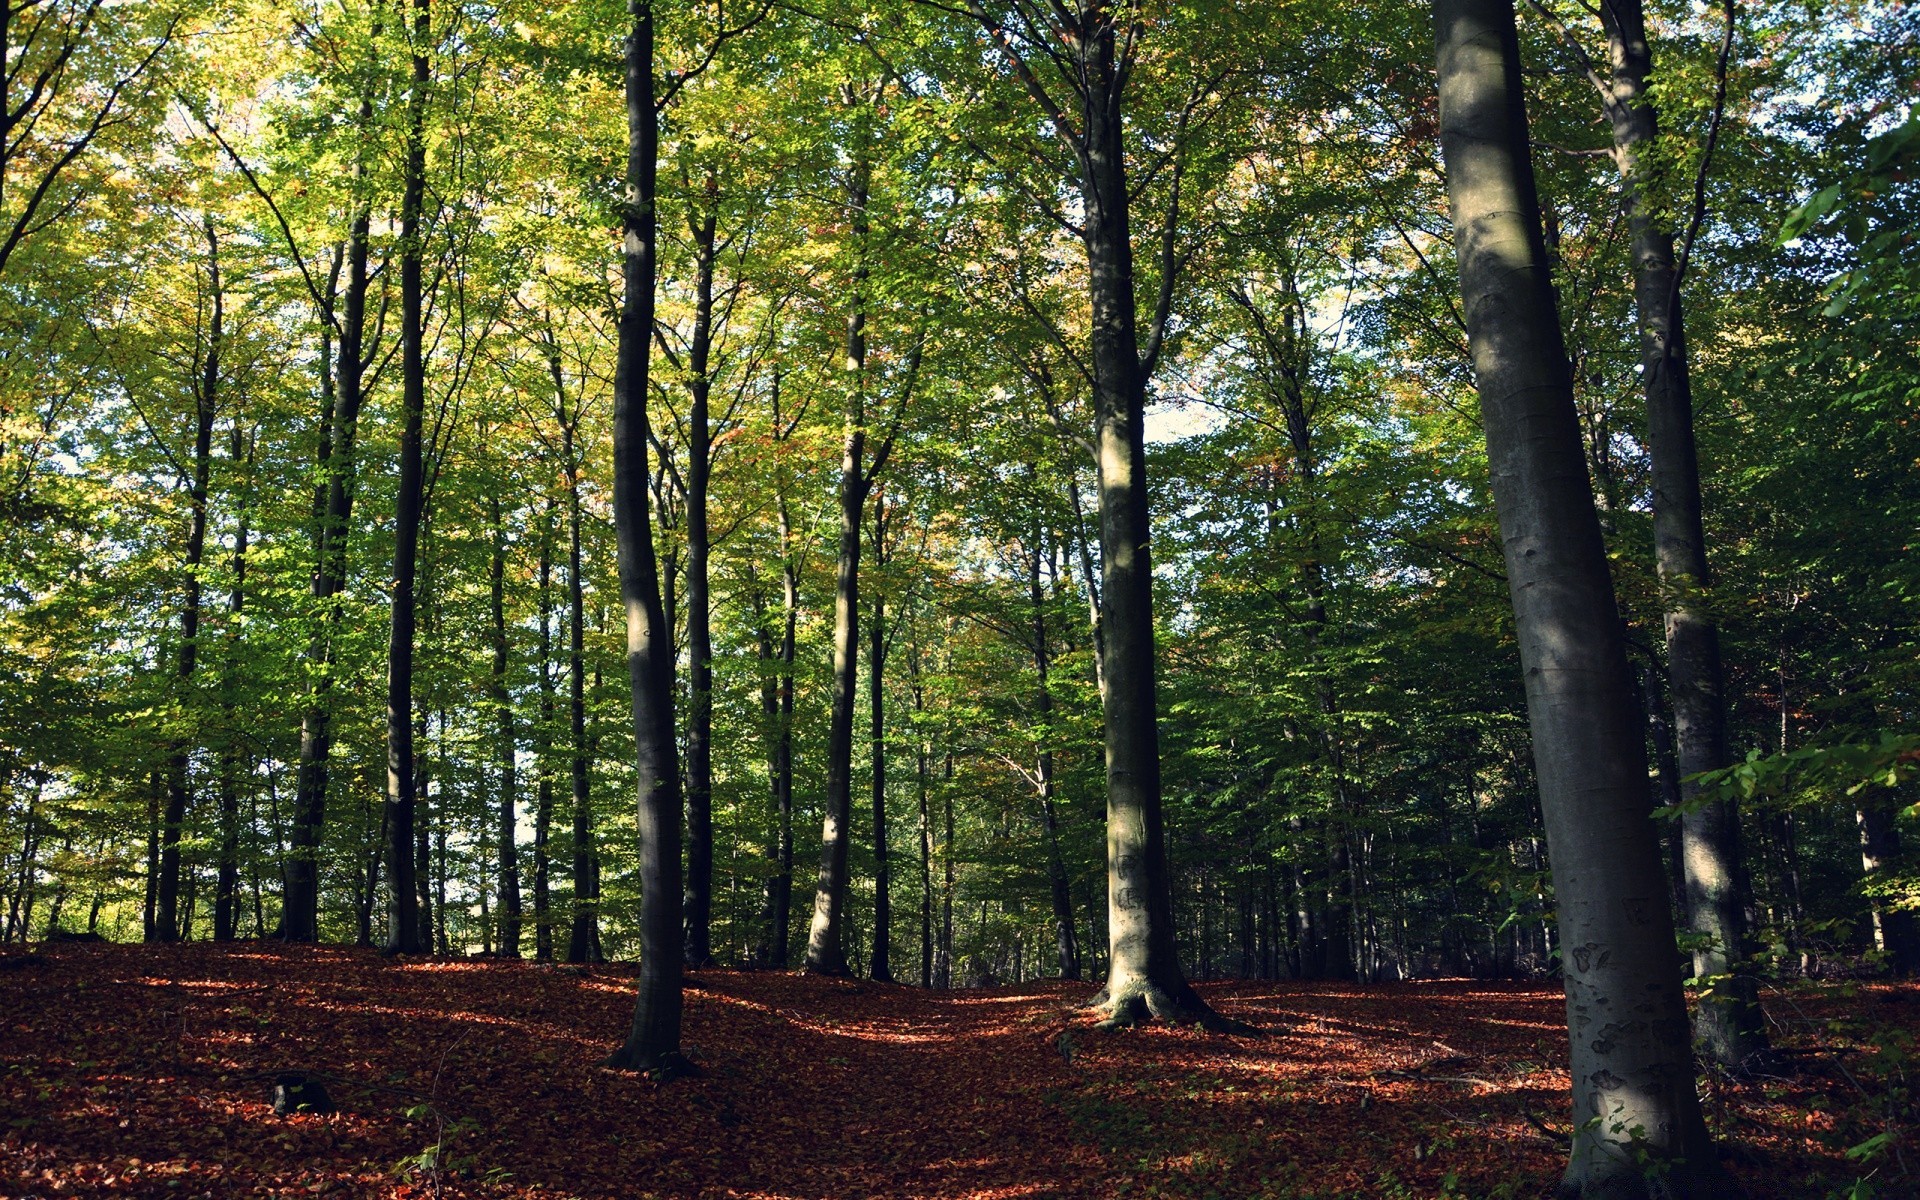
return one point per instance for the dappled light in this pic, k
(138, 1071)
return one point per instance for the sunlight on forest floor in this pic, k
(144, 1071)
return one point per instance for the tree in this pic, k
(1092, 46)
(826, 953)
(1633, 1092)
(653, 1044)
(403, 919)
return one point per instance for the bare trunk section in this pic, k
(226, 888)
(543, 752)
(926, 824)
(583, 938)
(826, 955)
(1143, 972)
(1065, 943)
(653, 1044)
(880, 966)
(1632, 1067)
(206, 390)
(300, 901)
(403, 911)
(779, 899)
(698, 942)
(1728, 1021)
(508, 798)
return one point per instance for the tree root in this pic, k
(1138, 1005)
(661, 1068)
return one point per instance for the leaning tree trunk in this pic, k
(403, 910)
(509, 847)
(1728, 1020)
(653, 1044)
(1632, 1067)
(206, 386)
(826, 953)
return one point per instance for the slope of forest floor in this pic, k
(145, 1071)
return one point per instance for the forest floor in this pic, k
(145, 1071)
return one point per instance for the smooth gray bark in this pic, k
(653, 1042)
(1728, 1021)
(1637, 1124)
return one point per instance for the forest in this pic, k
(591, 579)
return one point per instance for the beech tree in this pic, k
(1633, 1092)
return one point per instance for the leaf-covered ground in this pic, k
(145, 1071)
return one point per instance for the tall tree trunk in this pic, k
(509, 846)
(780, 767)
(826, 953)
(698, 947)
(206, 391)
(1728, 1020)
(653, 1044)
(926, 824)
(226, 890)
(1143, 970)
(300, 900)
(1062, 896)
(403, 912)
(943, 970)
(1632, 1066)
(543, 751)
(583, 939)
(880, 966)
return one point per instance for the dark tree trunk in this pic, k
(826, 953)
(698, 946)
(926, 824)
(1143, 969)
(1895, 932)
(1728, 1021)
(1062, 895)
(1632, 1066)
(583, 939)
(300, 902)
(206, 390)
(543, 752)
(943, 967)
(654, 1041)
(880, 967)
(226, 889)
(509, 847)
(403, 912)
(779, 903)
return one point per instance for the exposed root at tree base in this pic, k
(1136, 1006)
(659, 1067)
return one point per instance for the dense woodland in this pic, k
(433, 431)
